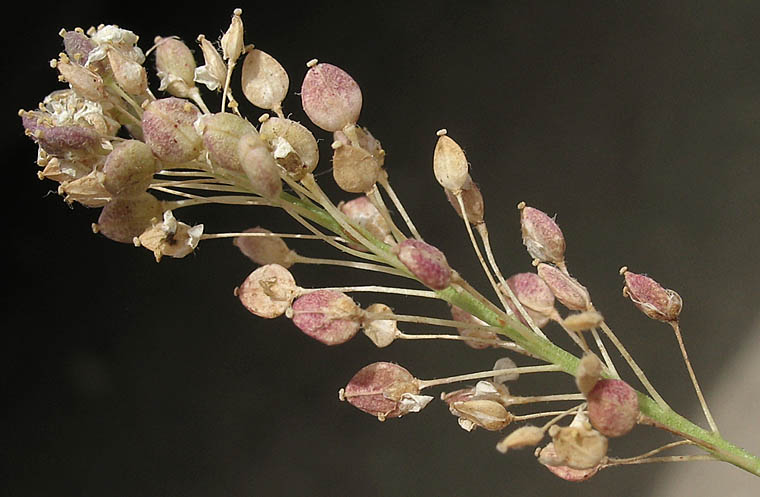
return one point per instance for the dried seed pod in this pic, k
(472, 200)
(385, 390)
(259, 166)
(328, 316)
(449, 164)
(221, 134)
(566, 289)
(382, 332)
(265, 82)
(354, 169)
(168, 128)
(535, 296)
(487, 414)
(123, 219)
(478, 336)
(214, 71)
(83, 81)
(588, 372)
(293, 145)
(651, 298)
(265, 250)
(59, 139)
(582, 321)
(362, 212)
(175, 65)
(505, 363)
(130, 75)
(129, 168)
(170, 237)
(232, 40)
(542, 236)
(578, 447)
(426, 262)
(330, 97)
(613, 407)
(525, 436)
(87, 190)
(268, 291)
(483, 390)
(565, 472)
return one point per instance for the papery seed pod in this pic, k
(505, 363)
(268, 291)
(542, 236)
(525, 436)
(588, 372)
(265, 249)
(566, 289)
(478, 336)
(362, 138)
(170, 237)
(613, 407)
(426, 262)
(472, 200)
(130, 75)
(265, 82)
(123, 219)
(379, 389)
(354, 169)
(329, 316)
(87, 190)
(578, 447)
(565, 472)
(83, 81)
(483, 390)
(487, 414)
(168, 128)
(582, 321)
(330, 97)
(651, 298)
(129, 168)
(214, 71)
(59, 139)
(293, 145)
(449, 164)
(232, 40)
(382, 332)
(259, 166)
(535, 296)
(221, 134)
(362, 212)
(175, 65)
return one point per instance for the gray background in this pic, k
(635, 122)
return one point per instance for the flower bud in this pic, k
(578, 447)
(59, 139)
(525, 436)
(472, 200)
(130, 75)
(354, 169)
(449, 164)
(170, 237)
(385, 390)
(330, 97)
(459, 314)
(535, 296)
(129, 168)
(588, 372)
(426, 262)
(265, 250)
(542, 236)
(221, 134)
(123, 219)
(362, 212)
(168, 128)
(382, 332)
(613, 407)
(258, 164)
(328, 316)
(565, 472)
(651, 298)
(293, 146)
(487, 414)
(265, 83)
(268, 291)
(83, 81)
(175, 65)
(566, 289)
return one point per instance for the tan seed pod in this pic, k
(258, 164)
(525, 436)
(287, 138)
(175, 65)
(87, 190)
(472, 199)
(130, 75)
(582, 321)
(85, 83)
(588, 372)
(449, 164)
(129, 168)
(232, 40)
(578, 447)
(382, 332)
(268, 291)
(354, 169)
(484, 413)
(265, 82)
(265, 249)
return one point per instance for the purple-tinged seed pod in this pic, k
(362, 211)
(258, 164)
(472, 200)
(221, 134)
(265, 249)
(330, 97)
(59, 140)
(168, 129)
(123, 219)
(566, 289)
(83, 81)
(329, 316)
(129, 168)
(268, 291)
(426, 262)
(651, 298)
(175, 65)
(377, 389)
(613, 407)
(542, 236)
(566, 472)
(535, 296)
(130, 75)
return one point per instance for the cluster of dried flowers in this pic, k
(112, 144)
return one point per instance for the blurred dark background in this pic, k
(637, 123)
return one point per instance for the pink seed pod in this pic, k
(175, 65)
(472, 200)
(221, 134)
(426, 262)
(265, 250)
(535, 296)
(651, 298)
(354, 169)
(362, 212)
(268, 291)
(168, 128)
(330, 97)
(265, 82)
(123, 219)
(449, 164)
(479, 336)
(566, 472)
(328, 316)
(379, 388)
(129, 168)
(293, 146)
(542, 236)
(566, 289)
(613, 407)
(56, 139)
(259, 166)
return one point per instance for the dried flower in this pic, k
(293, 145)
(170, 237)
(588, 373)
(578, 447)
